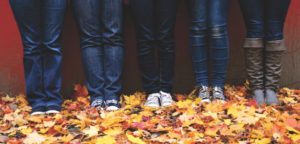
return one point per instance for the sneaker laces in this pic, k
(219, 93)
(166, 97)
(152, 99)
(202, 91)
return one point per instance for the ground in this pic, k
(239, 120)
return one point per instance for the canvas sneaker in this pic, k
(153, 100)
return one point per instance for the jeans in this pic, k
(208, 28)
(265, 18)
(101, 26)
(155, 22)
(40, 24)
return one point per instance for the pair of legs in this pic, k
(264, 46)
(208, 29)
(155, 23)
(101, 26)
(40, 24)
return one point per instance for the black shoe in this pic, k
(218, 94)
(204, 94)
(98, 104)
(112, 105)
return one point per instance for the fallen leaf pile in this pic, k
(239, 120)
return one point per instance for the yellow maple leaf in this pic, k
(34, 138)
(25, 130)
(48, 123)
(105, 140)
(114, 131)
(134, 140)
(91, 131)
(212, 131)
(67, 138)
(262, 141)
(295, 137)
(184, 104)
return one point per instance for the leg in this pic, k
(53, 12)
(254, 18)
(218, 41)
(198, 40)
(143, 12)
(87, 14)
(112, 20)
(27, 14)
(276, 11)
(165, 25)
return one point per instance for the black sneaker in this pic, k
(204, 94)
(218, 94)
(98, 104)
(112, 105)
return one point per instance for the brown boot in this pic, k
(273, 57)
(255, 68)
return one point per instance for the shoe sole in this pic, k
(52, 112)
(37, 113)
(112, 108)
(152, 106)
(206, 101)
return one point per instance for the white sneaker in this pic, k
(52, 112)
(37, 113)
(166, 99)
(153, 100)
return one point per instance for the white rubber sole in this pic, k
(167, 104)
(112, 108)
(206, 101)
(37, 113)
(52, 112)
(152, 106)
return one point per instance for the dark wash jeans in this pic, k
(208, 29)
(155, 22)
(40, 23)
(100, 23)
(265, 18)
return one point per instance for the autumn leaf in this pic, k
(34, 138)
(134, 140)
(188, 121)
(113, 131)
(105, 140)
(91, 131)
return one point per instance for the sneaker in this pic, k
(165, 99)
(218, 94)
(38, 111)
(98, 104)
(112, 105)
(53, 109)
(271, 97)
(153, 100)
(259, 96)
(204, 94)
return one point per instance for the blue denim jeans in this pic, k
(40, 24)
(265, 18)
(100, 23)
(208, 29)
(155, 22)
